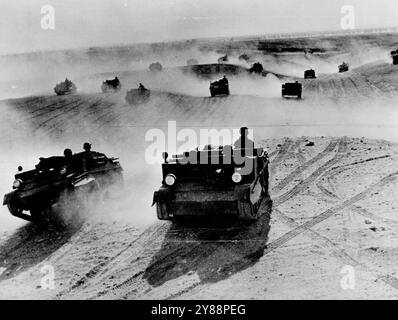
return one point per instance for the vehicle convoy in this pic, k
(220, 87)
(344, 67)
(231, 182)
(309, 74)
(59, 188)
(138, 96)
(292, 89)
(111, 85)
(65, 87)
(394, 56)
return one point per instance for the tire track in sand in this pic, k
(306, 165)
(342, 148)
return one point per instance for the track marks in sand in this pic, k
(330, 212)
(281, 154)
(325, 242)
(342, 148)
(286, 181)
(105, 269)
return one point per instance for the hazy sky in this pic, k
(83, 23)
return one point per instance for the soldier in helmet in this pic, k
(244, 142)
(69, 160)
(87, 147)
(87, 156)
(68, 153)
(224, 80)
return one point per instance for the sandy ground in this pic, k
(335, 204)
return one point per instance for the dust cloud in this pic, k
(29, 133)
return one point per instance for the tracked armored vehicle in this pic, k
(65, 87)
(309, 74)
(155, 67)
(111, 85)
(138, 96)
(292, 89)
(219, 88)
(244, 57)
(59, 188)
(225, 181)
(257, 68)
(192, 62)
(394, 56)
(344, 67)
(223, 59)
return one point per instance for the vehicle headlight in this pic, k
(17, 183)
(63, 170)
(236, 177)
(170, 179)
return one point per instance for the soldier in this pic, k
(68, 154)
(87, 147)
(87, 156)
(224, 80)
(69, 161)
(141, 87)
(244, 142)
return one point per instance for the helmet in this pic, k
(243, 131)
(67, 152)
(87, 146)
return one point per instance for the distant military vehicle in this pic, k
(192, 62)
(223, 59)
(309, 74)
(257, 68)
(344, 67)
(231, 181)
(220, 87)
(394, 56)
(155, 67)
(244, 57)
(138, 96)
(292, 89)
(59, 187)
(65, 87)
(111, 85)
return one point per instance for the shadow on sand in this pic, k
(30, 245)
(214, 249)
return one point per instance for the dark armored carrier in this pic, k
(59, 187)
(292, 89)
(65, 87)
(257, 68)
(394, 56)
(224, 181)
(309, 74)
(111, 85)
(138, 96)
(223, 59)
(219, 88)
(155, 67)
(344, 67)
